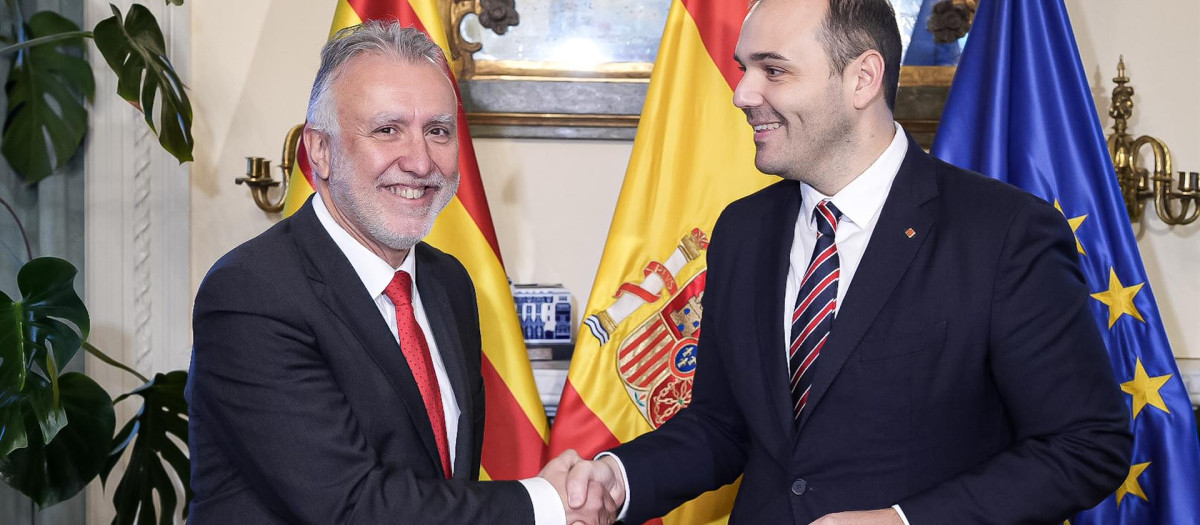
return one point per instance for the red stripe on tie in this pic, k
(828, 215)
(818, 261)
(821, 286)
(816, 320)
(812, 356)
(799, 406)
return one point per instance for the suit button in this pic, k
(799, 486)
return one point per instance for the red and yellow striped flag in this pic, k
(635, 356)
(515, 430)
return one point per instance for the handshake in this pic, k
(592, 491)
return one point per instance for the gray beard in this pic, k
(367, 214)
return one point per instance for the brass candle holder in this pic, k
(1173, 206)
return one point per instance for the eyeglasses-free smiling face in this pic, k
(393, 160)
(798, 109)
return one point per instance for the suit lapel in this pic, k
(777, 223)
(888, 255)
(339, 287)
(439, 312)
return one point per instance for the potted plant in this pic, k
(58, 430)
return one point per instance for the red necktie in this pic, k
(416, 352)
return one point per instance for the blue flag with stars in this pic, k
(1021, 110)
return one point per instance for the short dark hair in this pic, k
(853, 27)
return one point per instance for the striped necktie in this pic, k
(816, 303)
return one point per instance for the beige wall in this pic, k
(552, 200)
(1162, 56)
(252, 66)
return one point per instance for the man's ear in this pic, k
(866, 76)
(316, 143)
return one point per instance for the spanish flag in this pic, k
(515, 430)
(636, 354)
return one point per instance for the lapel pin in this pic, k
(910, 232)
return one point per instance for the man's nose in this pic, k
(746, 94)
(414, 156)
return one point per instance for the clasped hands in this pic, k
(592, 491)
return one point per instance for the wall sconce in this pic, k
(1174, 207)
(258, 173)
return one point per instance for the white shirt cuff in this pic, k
(625, 481)
(547, 506)
(901, 513)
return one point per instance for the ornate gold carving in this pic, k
(497, 15)
(1173, 207)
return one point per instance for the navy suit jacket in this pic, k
(964, 378)
(302, 408)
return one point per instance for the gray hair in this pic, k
(374, 36)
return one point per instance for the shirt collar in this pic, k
(862, 199)
(374, 272)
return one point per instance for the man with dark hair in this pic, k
(335, 375)
(886, 338)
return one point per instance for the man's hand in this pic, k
(864, 517)
(592, 504)
(604, 471)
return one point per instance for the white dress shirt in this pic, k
(376, 274)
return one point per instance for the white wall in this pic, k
(552, 200)
(1161, 46)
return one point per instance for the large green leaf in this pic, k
(46, 121)
(38, 335)
(135, 51)
(52, 472)
(153, 450)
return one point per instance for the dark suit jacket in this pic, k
(964, 378)
(302, 407)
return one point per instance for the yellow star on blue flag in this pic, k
(1145, 390)
(1119, 299)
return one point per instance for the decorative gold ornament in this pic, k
(1173, 206)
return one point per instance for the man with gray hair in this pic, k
(336, 366)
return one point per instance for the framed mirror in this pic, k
(580, 68)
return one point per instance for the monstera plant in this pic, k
(58, 430)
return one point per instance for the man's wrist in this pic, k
(547, 505)
(610, 459)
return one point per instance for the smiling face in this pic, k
(800, 112)
(391, 165)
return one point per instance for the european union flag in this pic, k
(1020, 110)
